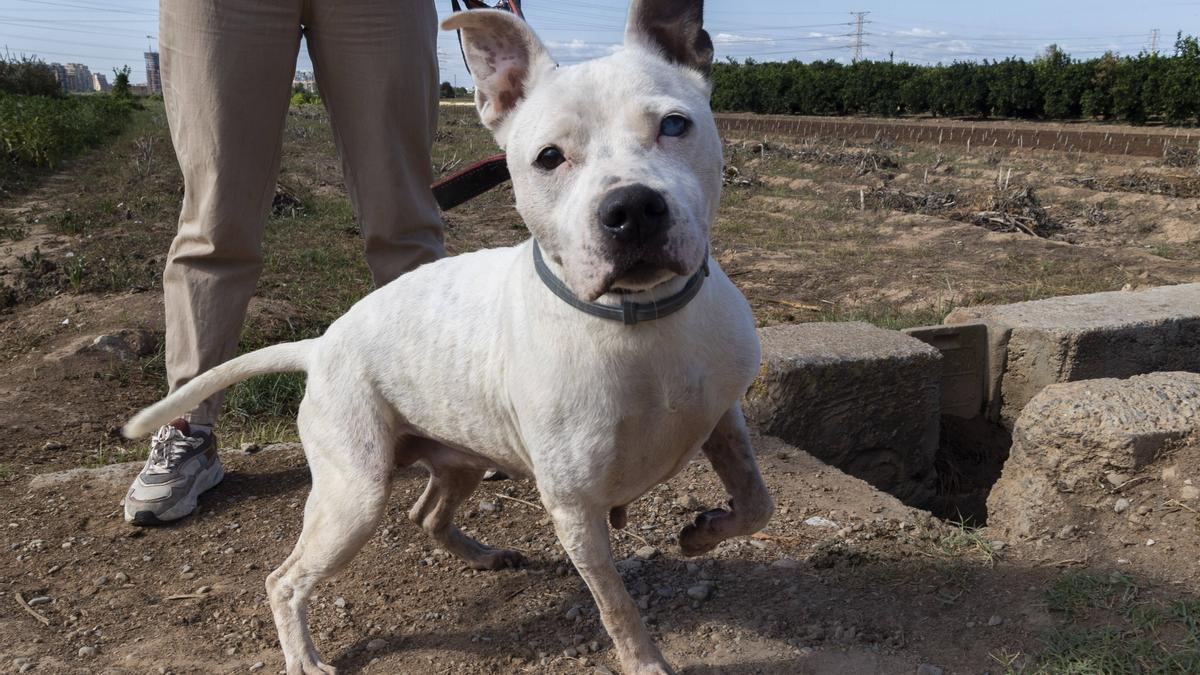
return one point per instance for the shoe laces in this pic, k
(167, 447)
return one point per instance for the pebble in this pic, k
(572, 614)
(928, 669)
(376, 644)
(203, 589)
(997, 545)
(996, 620)
(39, 600)
(102, 580)
(87, 651)
(1116, 479)
(250, 448)
(488, 507)
(818, 521)
(1150, 542)
(700, 592)
(1067, 532)
(1122, 505)
(1143, 509)
(340, 603)
(121, 578)
(1190, 492)
(258, 665)
(646, 552)
(689, 502)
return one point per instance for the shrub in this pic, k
(1052, 86)
(27, 77)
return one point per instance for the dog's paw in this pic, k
(497, 559)
(659, 668)
(703, 535)
(311, 668)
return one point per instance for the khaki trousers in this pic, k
(227, 70)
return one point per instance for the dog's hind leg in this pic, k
(750, 507)
(449, 486)
(351, 466)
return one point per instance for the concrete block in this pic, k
(860, 398)
(1082, 337)
(1076, 443)
(964, 349)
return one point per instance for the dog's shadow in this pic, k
(766, 606)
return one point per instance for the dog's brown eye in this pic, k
(550, 158)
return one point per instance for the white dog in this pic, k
(596, 358)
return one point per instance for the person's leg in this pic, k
(226, 74)
(227, 68)
(376, 68)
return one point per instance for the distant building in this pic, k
(73, 76)
(100, 83)
(306, 80)
(153, 75)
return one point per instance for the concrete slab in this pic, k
(964, 349)
(1081, 337)
(1077, 443)
(861, 398)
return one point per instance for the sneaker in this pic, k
(180, 468)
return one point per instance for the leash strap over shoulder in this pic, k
(629, 313)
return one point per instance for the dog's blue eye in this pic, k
(674, 125)
(549, 158)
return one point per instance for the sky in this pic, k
(105, 34)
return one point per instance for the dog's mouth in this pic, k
(643, 274)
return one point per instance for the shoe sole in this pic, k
(184, 507)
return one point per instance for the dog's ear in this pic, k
(674, 28)
(505, 57)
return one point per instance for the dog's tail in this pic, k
(284, 358)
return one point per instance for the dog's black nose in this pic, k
(633, 213)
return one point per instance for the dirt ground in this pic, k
(811, 229)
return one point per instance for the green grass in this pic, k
(39, 132)
(1112, 629)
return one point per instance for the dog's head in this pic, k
(615, 162)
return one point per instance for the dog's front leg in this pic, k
(750, 507)
(585, 537)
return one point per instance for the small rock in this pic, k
(689, 502)
(572, 614)
(996, 620)
(258, 665)
(1143, 509)
(1122, 505)
(818, 521)
(376, 644)
(203, 589)
(997, 545)
(1190, 492)
(928, 669)
(1150, 542)
(1116, 479)
(646, 552)
(121, 578)
(25, 667)
(51, 446)
(488, 507)
(39, 600)
(569, 652)
(250, 448)
(1067, 532)
(699, 592)
(340, 603)
(87, 652)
